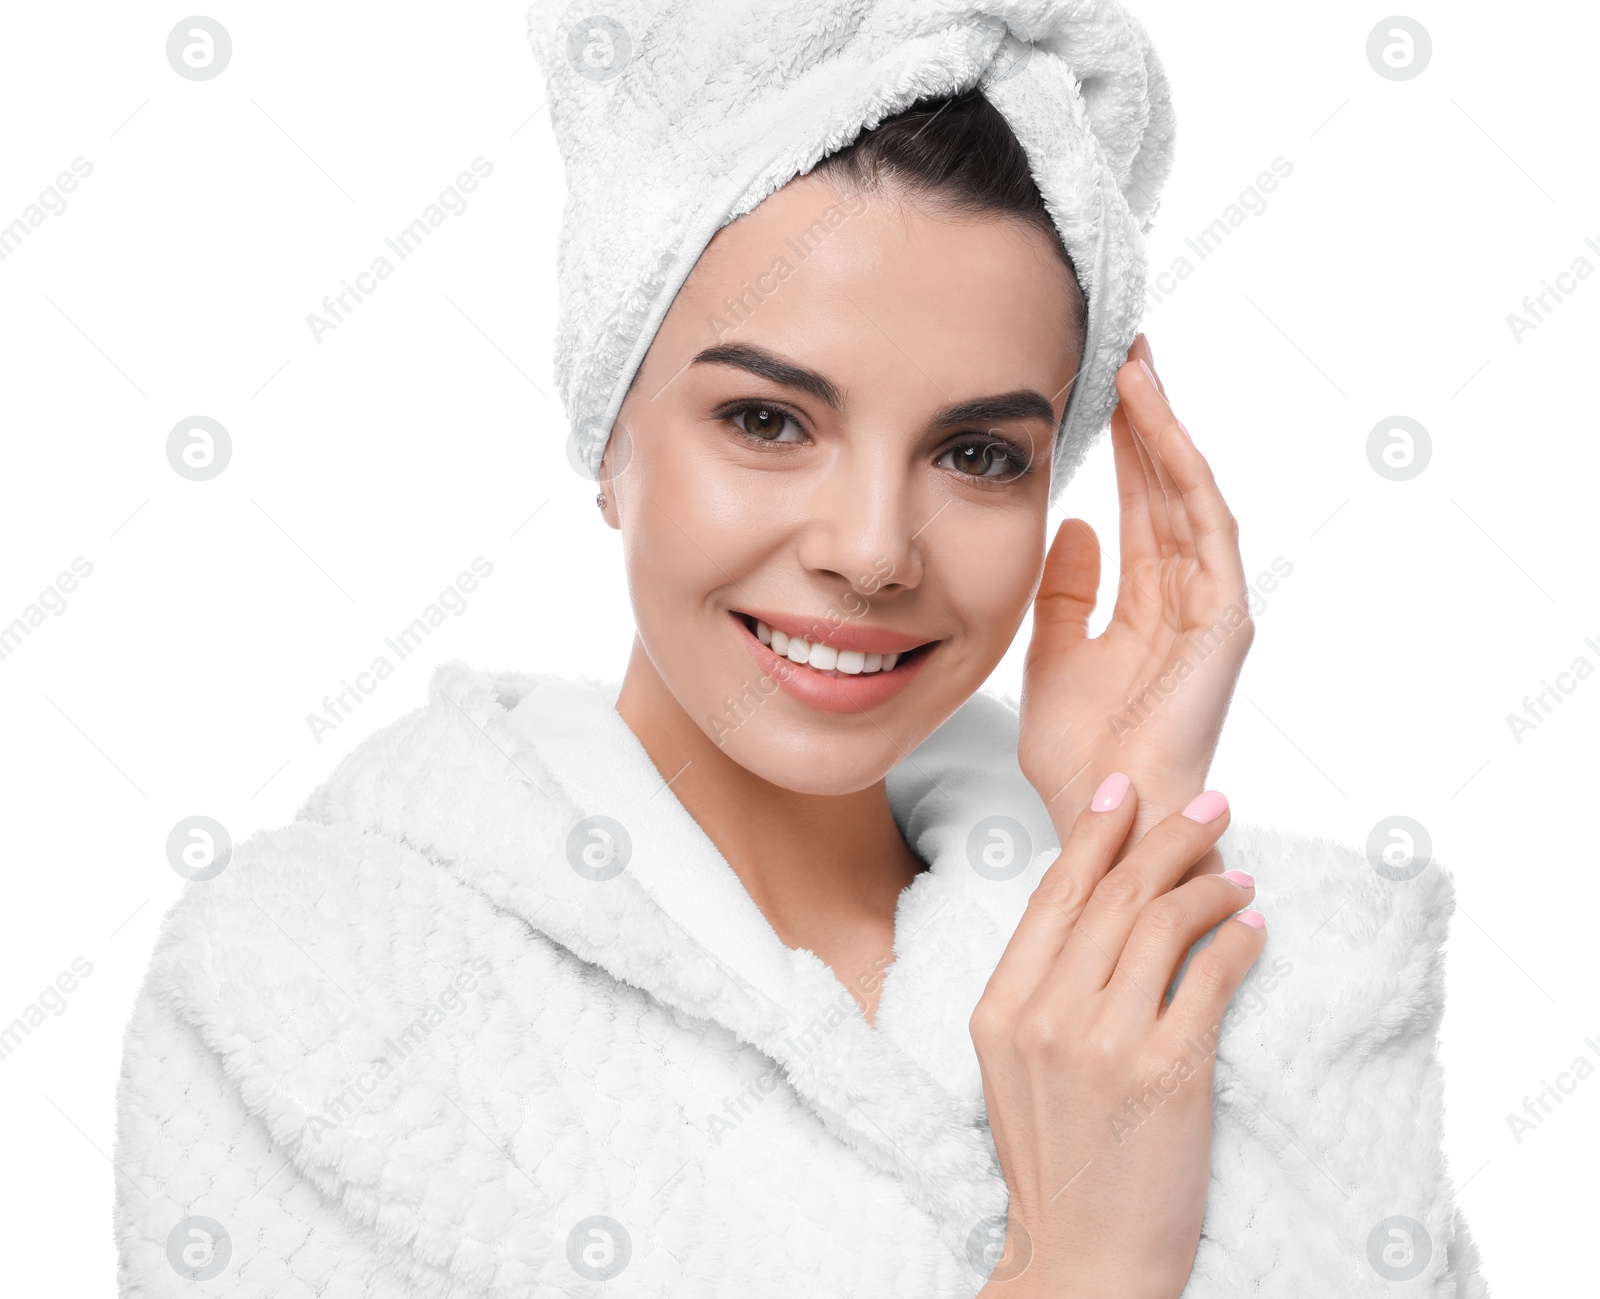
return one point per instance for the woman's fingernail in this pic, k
(1149, 374)
(1252, 918)
(1110, 793)
(1244, 879)
(1184, 431)
(1207, 806)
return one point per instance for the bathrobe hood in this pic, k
(494, 991)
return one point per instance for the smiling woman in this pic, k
(807, 966)
(763, 477)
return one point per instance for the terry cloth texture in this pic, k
(674, 117)
(437, 1038)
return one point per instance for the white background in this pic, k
(371, 467)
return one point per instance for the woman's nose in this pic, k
(863, 526)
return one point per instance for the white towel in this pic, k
(674, 117)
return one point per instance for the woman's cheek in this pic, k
(991, 570)
(705, 488)
(689, 532)
(734, 500)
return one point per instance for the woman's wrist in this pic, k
(1022, 1271)
(1168, 793)
(1033, 1284)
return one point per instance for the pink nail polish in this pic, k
(1207, 806)
(1244, 879)
(1184, 431)
(1149, 374)
(1252, 918)
(1110, 793)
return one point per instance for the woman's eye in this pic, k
(765, 423)
(985, 459)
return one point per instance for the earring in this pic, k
(600, 500)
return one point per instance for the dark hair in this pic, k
(958, 152)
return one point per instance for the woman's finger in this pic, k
(1134, 485)
(1213, 975)
(1068, 588)
(1151, 867)
(1141, 547)
(1062, 893)
(1155, 427)
(1165, 931)
(1141, 348)
(1210, 864)
(1154, 500)
(1211, 525)
(1166, 542)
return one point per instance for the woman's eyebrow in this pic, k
(1024, 403)
(769, 365)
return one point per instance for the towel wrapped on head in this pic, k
(675, 117)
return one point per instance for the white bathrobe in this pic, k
(436, 1038)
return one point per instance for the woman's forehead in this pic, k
(863, 290)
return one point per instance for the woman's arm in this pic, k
(1316, 1081)
(1073, 1024)
(1105, 1140)
(1322, 1074)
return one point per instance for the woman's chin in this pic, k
(812, 763)
(814, 752)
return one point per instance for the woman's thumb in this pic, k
(1070, 584)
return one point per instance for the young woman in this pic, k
(793, 963)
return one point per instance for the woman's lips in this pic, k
(838, 633)
(836, 692)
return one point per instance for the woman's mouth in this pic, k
(836, 669)
(823, 657)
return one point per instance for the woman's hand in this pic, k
(1149, 694)
(1099, 1093)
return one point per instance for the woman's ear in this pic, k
(608, 507)
(612, 460)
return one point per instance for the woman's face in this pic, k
(842, 432)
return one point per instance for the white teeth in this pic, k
(822, 656)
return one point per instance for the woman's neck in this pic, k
(826, 870)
